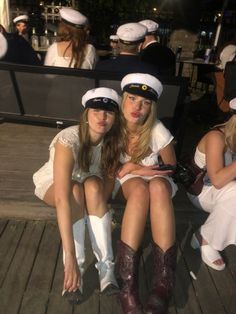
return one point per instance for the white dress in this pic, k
(53, 59)
(160, 138)
(219, 230)
(68, 137)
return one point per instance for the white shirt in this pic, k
(160, 138)
(53, 59)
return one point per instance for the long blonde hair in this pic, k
(142, 146)
(111, 147)
(77, 40)
(230, 133)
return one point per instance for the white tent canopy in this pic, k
(5, 14)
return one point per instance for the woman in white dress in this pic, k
(75, 182)
(147, 190)
(216, 152)
(72, 49)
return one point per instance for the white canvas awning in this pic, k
(5, 14)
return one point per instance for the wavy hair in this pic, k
(77, 40)
(142, 146)
(230, 133)
(111, 147)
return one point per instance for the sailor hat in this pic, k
(131, 33)
(73, 17)
(151, 26)
(101, 98)
(114, 38)
(3, 45)
(232, 105)
(142, 84)
(21, 18)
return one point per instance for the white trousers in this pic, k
(219, 230)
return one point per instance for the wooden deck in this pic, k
(31, 270)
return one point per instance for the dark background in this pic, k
(106, 15)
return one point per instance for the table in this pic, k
(203, 69)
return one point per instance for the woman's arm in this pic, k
(63, 167)
(168, 155)
(218, 173)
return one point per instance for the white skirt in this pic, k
(219, 230)
(119, 182)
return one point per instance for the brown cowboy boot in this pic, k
(164, 279)
(127, 267)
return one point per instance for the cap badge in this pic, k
(105, 100)
(144, 87)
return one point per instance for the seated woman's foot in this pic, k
(210, 256)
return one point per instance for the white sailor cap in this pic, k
(152, 26)
(114, 38)
(232, 105)
(131, 33)
(142, 84)
(73, 17)
(3, 45)
(101, 98)
(21, 18)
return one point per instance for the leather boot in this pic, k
(164, 279)
(100, 236)
(127, 267)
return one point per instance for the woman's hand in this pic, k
(151, 171)
(127, 168)
(141, 170)
(72, 275)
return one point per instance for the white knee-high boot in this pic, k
(100, 236)
(79, 238)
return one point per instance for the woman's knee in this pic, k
(159, 187)
(94, 186)
(137, 189)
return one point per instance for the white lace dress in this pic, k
(53, 59)
(220, 227)
(160, 138)
(68, 137)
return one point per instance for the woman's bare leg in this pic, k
(162, 213)
(136, 194)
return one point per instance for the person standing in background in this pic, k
(131, 37)
(71, 48)
(114, 44)
(21, 25)
(155, 53)
(19, 50)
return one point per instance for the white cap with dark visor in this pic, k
(142, 84)
(101, 98)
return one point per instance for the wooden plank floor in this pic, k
(31, 269)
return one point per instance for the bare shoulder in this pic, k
(215, 141)
(213, 138)
(215, 135)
